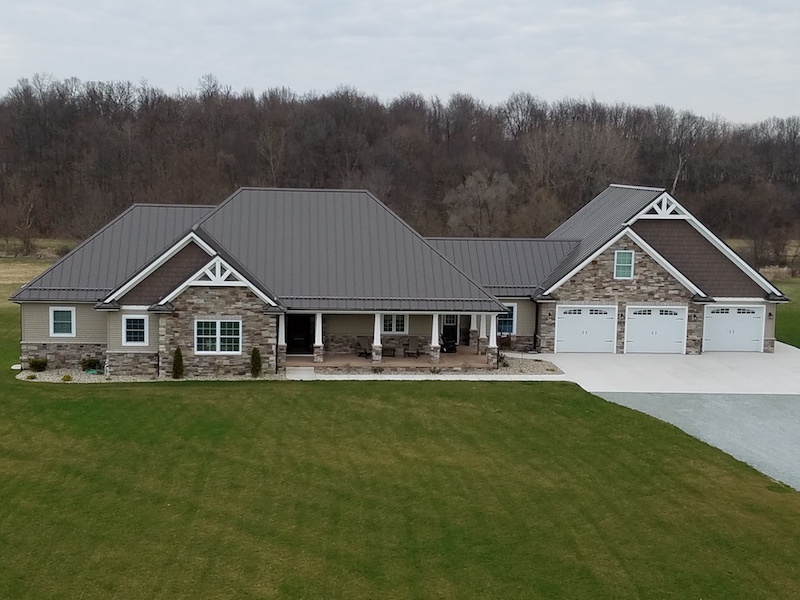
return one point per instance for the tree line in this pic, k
(75, 154)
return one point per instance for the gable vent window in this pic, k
(218, 337)
(623, 264)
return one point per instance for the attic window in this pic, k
(623, 264)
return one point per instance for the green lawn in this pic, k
(372, 490)
(787, 327)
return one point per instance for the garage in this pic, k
(655, 329)
(733, 329)
(586, 328)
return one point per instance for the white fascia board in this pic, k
(715, 241)
(176, 247)
(193, 281)
(743, 300)
(664, 263)
(309, 311)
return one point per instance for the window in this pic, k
(507, 321)
(134, 330)
(667, 312)
(218, 337)
(623, 264)
(643, 312)
(62, 321)
(450, 320)
(598, 311)
(395, 323)
(745, 311)
(573, 311)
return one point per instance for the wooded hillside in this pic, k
(73, 155)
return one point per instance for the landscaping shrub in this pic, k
(31, 377)
(177, 364)
(37, 364)
(91, 363)
(66, 378)
(255, 362)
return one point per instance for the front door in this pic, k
(299, 334)
(450, 328)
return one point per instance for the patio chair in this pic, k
(448, 345)
(413, 347)
(364, 347)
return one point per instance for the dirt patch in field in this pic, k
(19, 271)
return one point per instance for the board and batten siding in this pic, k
(115, 332)
(526, 314)
(90, 324)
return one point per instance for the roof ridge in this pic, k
(499, 239)
(637, 187)
(172, 205)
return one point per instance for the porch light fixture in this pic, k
(769, 316)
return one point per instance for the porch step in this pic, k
(300, 373)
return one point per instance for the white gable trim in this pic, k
(177, 247)
(217, 273)
(662, 262)
(681, 213)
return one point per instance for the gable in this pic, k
(694, 256)
(167, 277)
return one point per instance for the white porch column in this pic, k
(319, 348)
(483, 326)
(493, 331)
(376, 334)
(473, 322)
(435, 331)
(281, 329)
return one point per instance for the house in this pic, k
(318, 272)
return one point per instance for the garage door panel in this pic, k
(733, 329)
(655, 329)
(586, 329)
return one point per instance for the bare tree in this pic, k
(479, 207)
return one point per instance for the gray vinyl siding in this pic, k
(90, 324)
(526, 314)
(115, 333)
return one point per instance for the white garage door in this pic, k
(733, 329)
(655, 329)
(586, 328)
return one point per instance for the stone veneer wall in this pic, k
(61, 356)
(595, 284)
(132, 364)
(177, 329)
(346, 344)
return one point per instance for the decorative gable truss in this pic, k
(666, 207)
(217, 273)
(663, 207)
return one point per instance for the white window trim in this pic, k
(394, 322)
(71, 310)
(633, 257)
(146, 318)
(513, 306)
(218, 321)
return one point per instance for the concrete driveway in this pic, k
(711, 373)
(747, 405)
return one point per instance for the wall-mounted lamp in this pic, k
(769, 316)
(694, 317)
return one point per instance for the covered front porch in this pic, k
(392, 340)
(465, 358)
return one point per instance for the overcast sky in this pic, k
(736, 59)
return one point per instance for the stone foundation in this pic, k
(377, 354)
(473, 338)
(61, 356)
(132, 364)
(319, 353)
(769, 345)
(339, 344)
(282, 357)
(483, 343)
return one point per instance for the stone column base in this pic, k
(434, 354)
(482, 344)
(282, 357)
(319, 352)
(491, 356)
(377, 354)
(473, 338)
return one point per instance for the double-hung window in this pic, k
(623, 264)
(507, 321)
(62, 321)
(134, 330)
(395, 324)
(218, 336)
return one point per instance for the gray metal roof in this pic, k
(113, 254)
(505, 267)
(597, 222)
(338, 250)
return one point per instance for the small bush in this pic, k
(31, 376)
(91, 363)
(37, 364)
(63, 250)
(66, 378)
(177, 364)
(255, 362)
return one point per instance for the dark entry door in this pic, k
(299, 334)
(450, 328)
